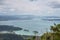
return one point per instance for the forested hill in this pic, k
(10, 37)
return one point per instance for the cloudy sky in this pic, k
(30, 7)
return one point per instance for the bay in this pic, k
(32, 25)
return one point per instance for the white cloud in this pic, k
(39, 7)
(24, 5)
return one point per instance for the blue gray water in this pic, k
(32, 25)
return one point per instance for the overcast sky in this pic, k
(30, 7)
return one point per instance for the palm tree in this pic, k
(26, 30)
(35, 32)
(55, 28)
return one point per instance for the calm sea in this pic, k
(32, 25)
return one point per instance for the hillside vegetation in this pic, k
(54, 34)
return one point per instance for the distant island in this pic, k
(28, 17)
(51, 18)
(16, 17)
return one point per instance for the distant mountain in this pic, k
(51, 18)
(28, 17)
(16, 17)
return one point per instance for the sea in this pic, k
(39, 25)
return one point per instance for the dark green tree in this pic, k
(35, 32)
(55, 28)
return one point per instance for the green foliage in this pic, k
(55, 28)
(28, 39)
(52, 36)
(35, 32)
(33, 37)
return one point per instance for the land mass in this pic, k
(16, 17)
(6, 36)
(9, 28)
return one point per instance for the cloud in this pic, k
(55, 4)
(1, 2)
(24, 7)
(21, 6)
(33, 0)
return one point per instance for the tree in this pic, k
(56, 31)
(55, 28)
(26, 30)
(55, 35)
(35, 32)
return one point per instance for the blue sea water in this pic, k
(32, 25)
